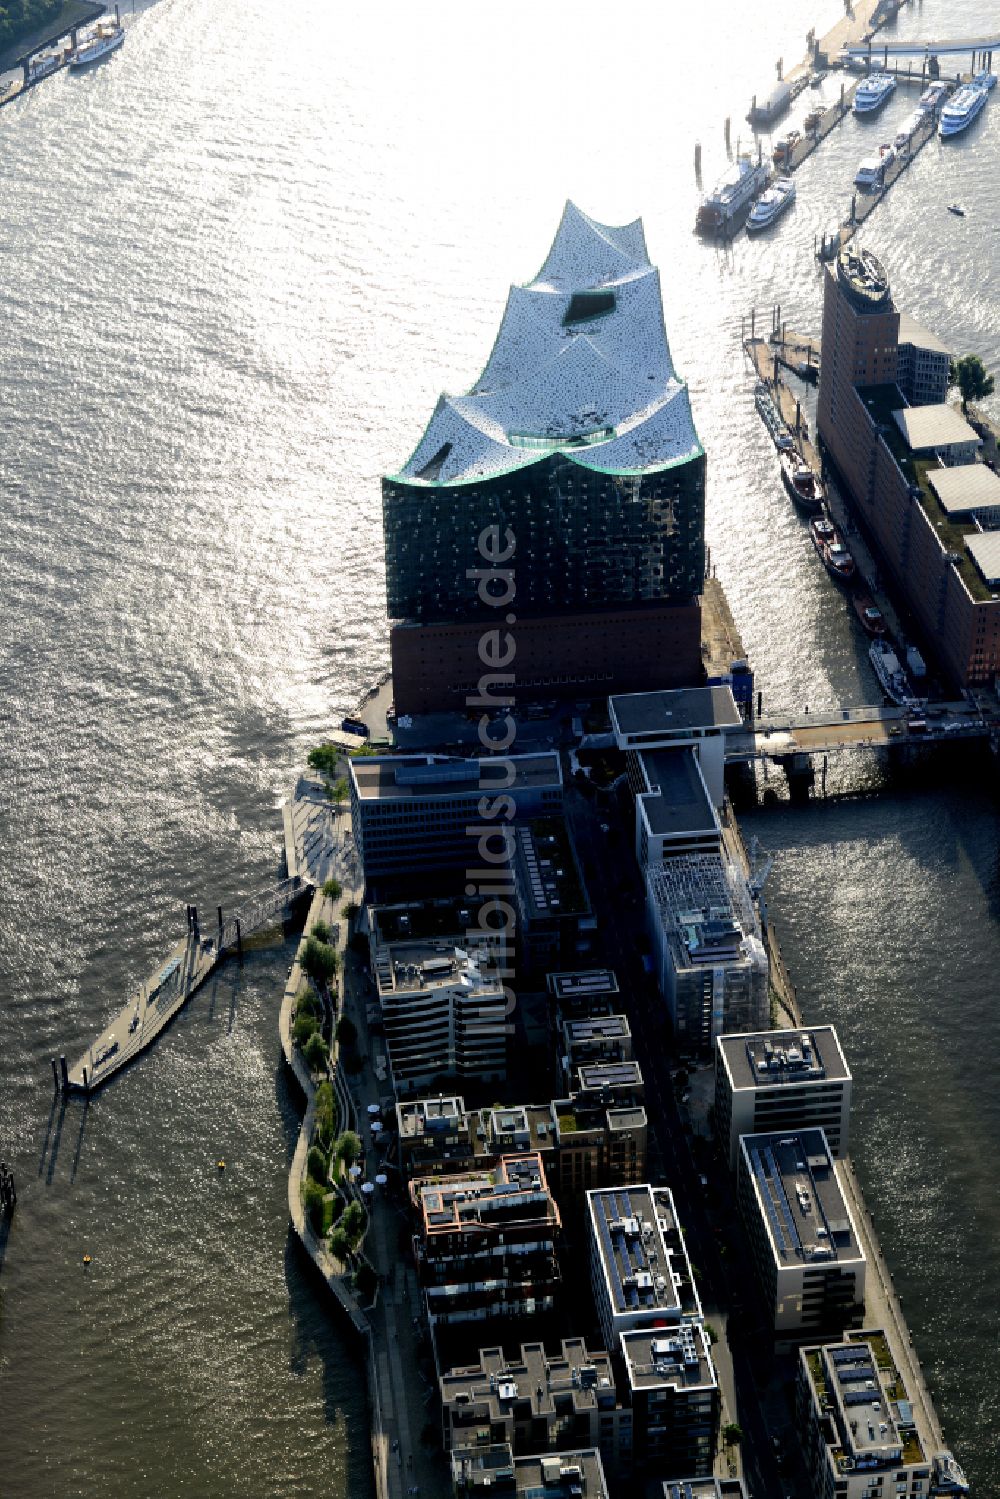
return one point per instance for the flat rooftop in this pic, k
(631, 1227)
(933, 427)
(425, 777)
(985, 553)
(769, 1059)
(704, 1488)
(683, 805)
(575, 1475)
(411, 967)
(582, 983)
(548, 873)
(678, 1357)
(872, 1413)
(597, 1028)
(537, 1377)
(808, 1220)
(912, 332)
(515, 1190)
(614, 1077)
(965, 487)
(431, 1116)
(674, 714)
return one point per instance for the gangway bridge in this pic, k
(185, 968)
(791, 739)
(971, 45)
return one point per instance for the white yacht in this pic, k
(105, 37)
(730, 196)
(961, 109)
(908, 129)
(873, 92)
(985, 79)
(779, 196)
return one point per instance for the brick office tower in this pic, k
(908, 464)
(577, 439)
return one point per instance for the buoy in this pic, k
(222, 1165)
(86, 1259)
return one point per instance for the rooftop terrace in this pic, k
(767, 1059)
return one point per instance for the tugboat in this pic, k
(801, 483)
(833, 554)
(871, 617)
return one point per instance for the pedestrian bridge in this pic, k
(971, 44)
(782, 738)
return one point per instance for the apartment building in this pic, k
(494, 1472)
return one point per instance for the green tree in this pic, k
(354, 1222)
(350, 910)
(325, 758)
(337, 790)
(970, 375)
(316, 1165)
(333, 889)
(312, 1200)
(347, 1148)
(347, 1031)
(732, 1433)
(321, 931)
(325, 1114)
(319, 960)
(340, 1244)
(306, 1026)
(316, 1052)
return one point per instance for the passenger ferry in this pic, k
(772, 203)
(961, 109)
(873, 92)
(908, 129)
(986, 80)
(105, 37)
(731, 195)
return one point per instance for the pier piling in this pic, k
(64, 1074)
(697, 158)
(55, 1074)
(239, 940)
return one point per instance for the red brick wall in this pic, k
(435, 668)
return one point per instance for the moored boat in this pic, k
(783, 150)
(933, 97)
(771, 204)
(725, 205)
(41, 67)
(873, 92)
(960, 111)
(871, 617)
(772, 419)
(812, 120)
(891, 677)
(801, 483)
(833, 554)
(986, 80)
(105, 37)
(870, 175)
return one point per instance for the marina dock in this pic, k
(151, 1007)
(864, 204)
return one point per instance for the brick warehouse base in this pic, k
(435, 668)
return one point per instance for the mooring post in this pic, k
(86, 1085)
(798, 414)
(64, 1074)
(239, 940)
(728, 123)
(219, 909)
(753, 316)
(55, 1073)
(697, 158)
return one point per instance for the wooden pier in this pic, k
(186, 967)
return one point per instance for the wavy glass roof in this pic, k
(581, 366)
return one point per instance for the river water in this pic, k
(240, 261)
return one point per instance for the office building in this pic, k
(709, 959)
(422, 812)
(674, 813)
(651, 1318)
(779, 1081)
(555, 925)
(445, 1013)
(863, 1435)
(496, 1473)
(807, 1256)
(696, 718)
(576, 453)
(536, 1402)
(884, 446)
(485, 1242)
